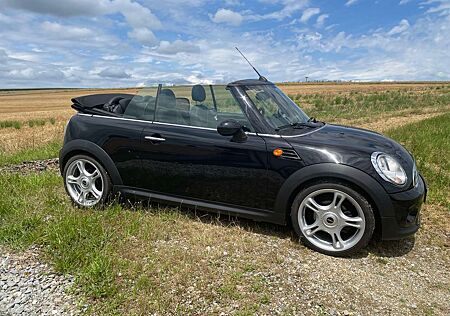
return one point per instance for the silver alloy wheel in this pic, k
(84, 182)
(331, 220)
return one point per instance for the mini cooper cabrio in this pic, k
(244, 149)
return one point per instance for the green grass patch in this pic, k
(330, 107)
(131, 261)
(36, 122)
(50, 150)
(10, 124)
(135, 260)
(30, 123)
(429, 141)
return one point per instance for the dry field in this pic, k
(40, 106)
(50, 109)
(133, 261)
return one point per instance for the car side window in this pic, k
(228, 108)
(198, 105)
(142, 105)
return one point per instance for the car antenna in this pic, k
(262, 78)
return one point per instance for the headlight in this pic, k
(388, 168)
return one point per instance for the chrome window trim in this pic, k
(149, 122)
(115, 118)
(195, 127)
(181, 125)
(269, 135)
(290, 136)
(301, 135)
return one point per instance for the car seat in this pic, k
(199, 112)
(166, 109)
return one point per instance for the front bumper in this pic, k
(406, 210)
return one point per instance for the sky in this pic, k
(122, 43)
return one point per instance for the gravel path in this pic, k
(33, 166)
(28, 287)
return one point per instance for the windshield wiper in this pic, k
(311, 122)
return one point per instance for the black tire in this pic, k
(107, 183)
(365, 206)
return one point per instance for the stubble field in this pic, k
(142, 260)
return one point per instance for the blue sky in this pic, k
(119, 43)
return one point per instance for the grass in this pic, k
(45, 151)
(429, 141)
(10, 124)
(135, 260)
(36, 122)
(356, 104)
(123, 258)
(31, 123)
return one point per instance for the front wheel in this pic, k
(333, 219)
(86, 181)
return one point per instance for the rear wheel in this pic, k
(333, 219)
(86, 181)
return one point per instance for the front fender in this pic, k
(80, 146)
(369, 185)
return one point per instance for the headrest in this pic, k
(167, 92)
(124, 103)
(115, 100)
(198, 93)
(167, 99)
(262, 96)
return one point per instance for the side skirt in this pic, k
(254, 214)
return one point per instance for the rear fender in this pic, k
(80, 146)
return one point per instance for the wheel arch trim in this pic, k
(362, 180)
(83, 146)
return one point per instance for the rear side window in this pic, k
(142, 105)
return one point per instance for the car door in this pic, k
(194, 161)
(120, 136)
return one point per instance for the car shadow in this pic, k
(378, 248)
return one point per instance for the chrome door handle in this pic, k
(155, 139)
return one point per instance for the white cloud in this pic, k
(321, 20)
(111, 57)
(400, 28)
(60, 31)
(233, 2)
(60, 52)
(144, 36)
(136, 15)
(289, 8)
(309, 13)
(114, 73)
(350, 2)
(228, 17)
(177, 46)
(65, 8)
(443, 7)
(402, 2)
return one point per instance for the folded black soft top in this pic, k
(96, 100)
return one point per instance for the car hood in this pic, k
(350, 146)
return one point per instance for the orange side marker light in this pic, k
(277, 152)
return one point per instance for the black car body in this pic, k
(237, 149)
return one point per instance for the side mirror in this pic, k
(232, 128)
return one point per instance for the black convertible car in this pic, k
(244, 149)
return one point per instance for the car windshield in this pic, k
(276, 107)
